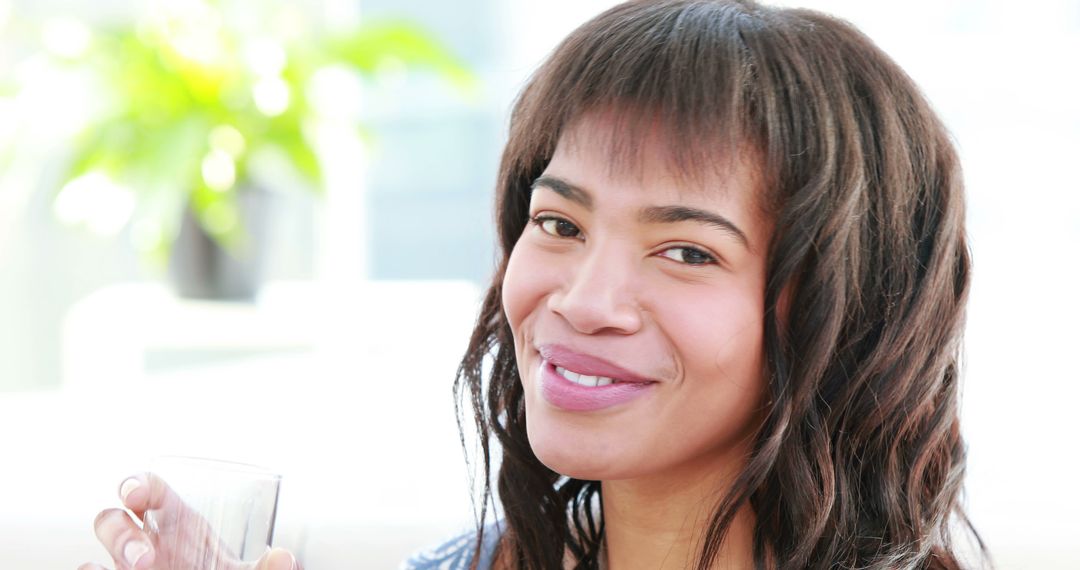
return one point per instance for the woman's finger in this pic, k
(146, 491)
(128, 545)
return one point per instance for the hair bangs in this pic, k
(681, 78)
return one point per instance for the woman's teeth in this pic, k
(583, 379)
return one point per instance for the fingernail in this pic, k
(135, 550)
(127, 487)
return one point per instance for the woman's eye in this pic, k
(557, 226)
(688, 255)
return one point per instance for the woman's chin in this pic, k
(577, 468)
(580, 458)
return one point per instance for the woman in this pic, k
(749, 220)
(724, 329)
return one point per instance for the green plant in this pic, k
(194, 99)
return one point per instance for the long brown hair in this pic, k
(859, 461)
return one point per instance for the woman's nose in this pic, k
(599, 295)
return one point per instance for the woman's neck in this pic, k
(660, 522)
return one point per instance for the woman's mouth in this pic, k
(586, 369)
(577, 392)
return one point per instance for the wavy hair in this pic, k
(859, 461)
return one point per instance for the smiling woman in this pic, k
(724, 329)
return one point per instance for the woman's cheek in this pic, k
(725, 323)
(521, 290)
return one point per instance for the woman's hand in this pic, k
(183, 544)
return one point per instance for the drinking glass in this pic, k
(210, 514)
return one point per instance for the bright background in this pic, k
(339, 375)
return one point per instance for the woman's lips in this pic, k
(588, 365)
(566, 394)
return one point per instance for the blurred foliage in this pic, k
(194, 93)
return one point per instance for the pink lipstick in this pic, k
(581, 383)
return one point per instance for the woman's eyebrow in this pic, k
(648, 215)
(565, 189)
(671, 214)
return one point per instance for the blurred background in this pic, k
(259, 231)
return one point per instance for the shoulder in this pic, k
(457, 553)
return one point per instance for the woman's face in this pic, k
(636, 305)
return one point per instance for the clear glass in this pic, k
(210, 514)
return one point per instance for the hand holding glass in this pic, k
(212, 515)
